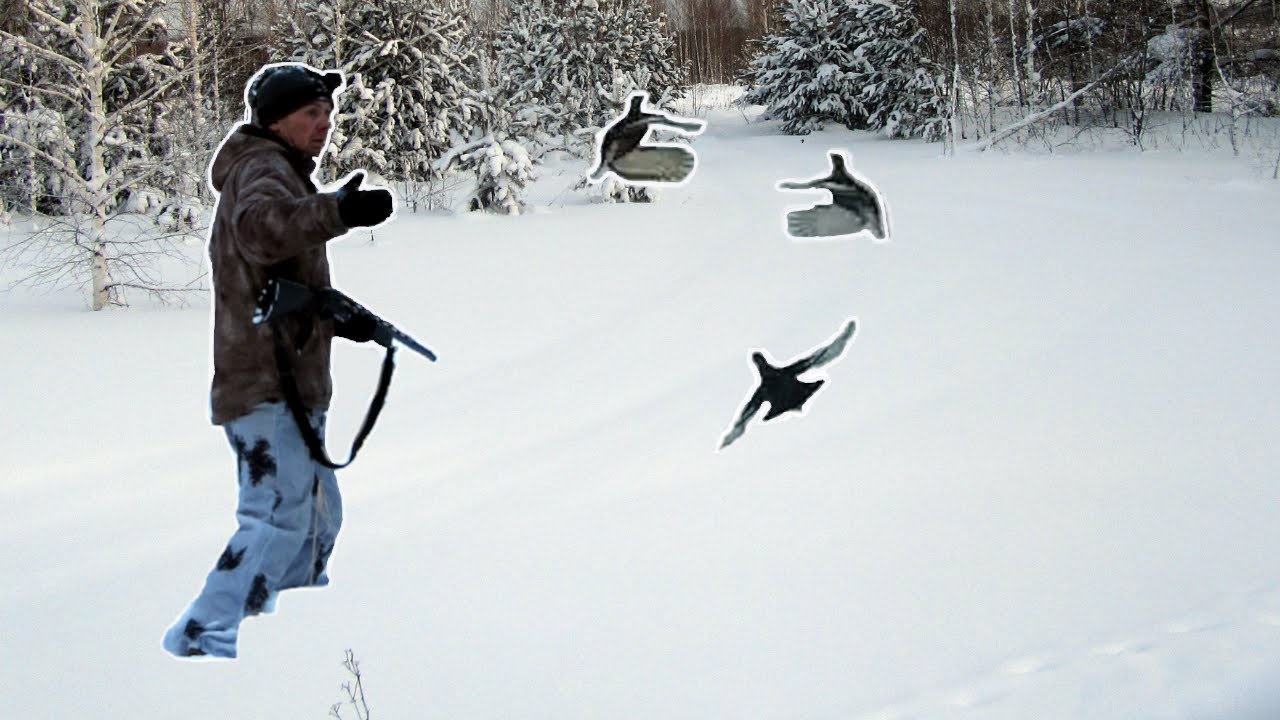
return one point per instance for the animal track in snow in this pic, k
(1151, 663)
(1193, 625)
(1027, 665)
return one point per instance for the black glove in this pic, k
(357, 328)
(362, 208)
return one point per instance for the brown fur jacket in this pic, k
(270, 221)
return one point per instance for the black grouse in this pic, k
(782, 388)
(855, 205)
(621, 150)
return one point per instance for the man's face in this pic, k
(306, 128)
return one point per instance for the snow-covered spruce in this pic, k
(500, 166)
(855, 62)
(412, 77)
(904, 94)
(557, 58)
(502, 171)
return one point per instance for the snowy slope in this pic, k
(1041, 483)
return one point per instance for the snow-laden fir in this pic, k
(414, 84)
(854, 62)
(557, 57)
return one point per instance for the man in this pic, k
(271, 222)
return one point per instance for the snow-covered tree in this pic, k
(500, 168)
(806, 73)
(903, 93)
(503, 170)
(89, 113)
(558, 59)
(856, 62)
(412, 74)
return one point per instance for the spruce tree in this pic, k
(903, 93)
(502, 170)
(559, 58)
(855, 62)
(411, 74)
(807, 74)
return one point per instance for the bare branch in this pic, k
(42, 52)
(1034, 118)
(126, 45)
(42, 90)
(66, 170)
(147, 96)
(1227, 20)
(56, 22)
(110, 29)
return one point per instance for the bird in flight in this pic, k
(621, 149)
(855, 205)
(782, 387)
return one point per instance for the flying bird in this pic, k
(855, 205)
(782, 387)
(621, 149)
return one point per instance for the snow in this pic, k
(1040, 483)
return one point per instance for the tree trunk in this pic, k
(1034, 118)
(198, 120)
(957, 125)
(1013, 55)
(992, 64)
(1033, 78)
(92, 152)
(1202, 75)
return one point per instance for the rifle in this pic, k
(281, 298)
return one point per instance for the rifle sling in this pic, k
(289, 386)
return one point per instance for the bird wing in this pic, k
(827, 353)
(824, 221)
(748, 411)
(655, 164)
(797, 184)
(689, 127)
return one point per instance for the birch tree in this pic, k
(95, 125)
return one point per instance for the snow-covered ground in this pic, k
(1041, 483)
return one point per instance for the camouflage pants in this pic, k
(289, 514)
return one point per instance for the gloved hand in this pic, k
(357, 328)
(362, 208)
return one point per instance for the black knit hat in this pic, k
(278, 90)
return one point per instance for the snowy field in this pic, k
(1042, 483)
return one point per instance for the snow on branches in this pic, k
(412, 76)
(558, 60)
(88, 124)
(855, 62)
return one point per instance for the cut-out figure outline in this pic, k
(782, 387)
(622, 152)
(855, 205)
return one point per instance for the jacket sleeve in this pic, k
(274, 221)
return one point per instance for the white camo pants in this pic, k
(289, 514)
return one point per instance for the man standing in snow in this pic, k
(271, 222)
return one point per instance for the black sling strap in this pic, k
(289, 386)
